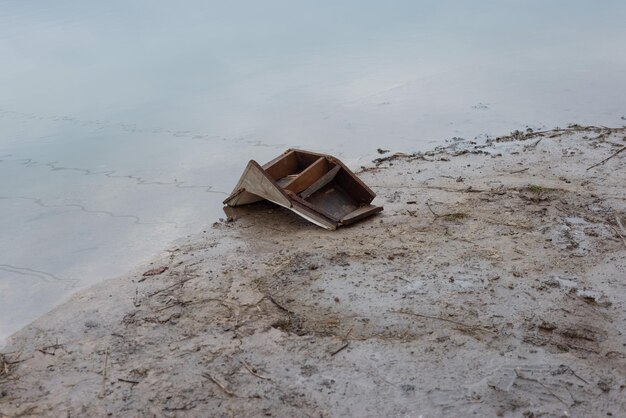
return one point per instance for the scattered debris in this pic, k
(503, 299)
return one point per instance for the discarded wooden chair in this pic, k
(318, 187)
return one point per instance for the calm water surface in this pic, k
(124, 123)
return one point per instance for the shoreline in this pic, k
(492, 283)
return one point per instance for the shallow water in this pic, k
(123, 124)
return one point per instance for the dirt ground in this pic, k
(493, 284)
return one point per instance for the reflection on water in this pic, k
(123, 124)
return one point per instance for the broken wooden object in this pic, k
(318, 187)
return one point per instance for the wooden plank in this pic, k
(313, 216)
(242, 197)
(320, 210)
(308, 176)
(321, 182)
(280, 157)
(360, 213)
(333, 199)
(353, 185)
(286, 180)
(306, 158)
(282, 166)
(257, 182)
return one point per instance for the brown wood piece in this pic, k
(308, 176)
(321, 182)
(306, 158)
(322, 211)
(305, 211)
(282, 166)
(333, 199)
(257, 183)
(358, 190)
(360, 213)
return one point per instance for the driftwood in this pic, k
(317, 187)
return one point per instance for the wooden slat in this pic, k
(353, 185)
(321, 182)
(308, 176)
(360, 213)
(314, 216)
(334, 200)
(282, 166)
(321, 211)
(255, 181)
(306, 158)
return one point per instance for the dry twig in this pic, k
(220, 385)
(607, 159)
(179, 283)
(345, 344)
(520, 376)
(519, 171)
(343, 347)
(253, 371)
(104, 374)
(619, 223)
(452, 321)
(132, 382)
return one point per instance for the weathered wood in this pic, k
(333, 199)
(282, 166)
(306, 158)
(321, 182)
(358, 190)
(322, 211)
(257, 182)
(314, 216)
(331, 195)
(360, 213)
(308, 176)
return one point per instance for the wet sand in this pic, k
(492, 284)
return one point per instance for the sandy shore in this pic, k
(494, 283)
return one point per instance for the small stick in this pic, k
(618, 234)
(607, 159)
(345, 344)
(170, 306)
(520, 376)
(574, 374)
(172, 286)
(619, 222)
(134, 382)
(431, 210)
(281, 307)
(491, 221)
(519, 171)
(441, 319)
(343, 347)
(253, 372)
(221, 386)
(536, 143)
(104, 374)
